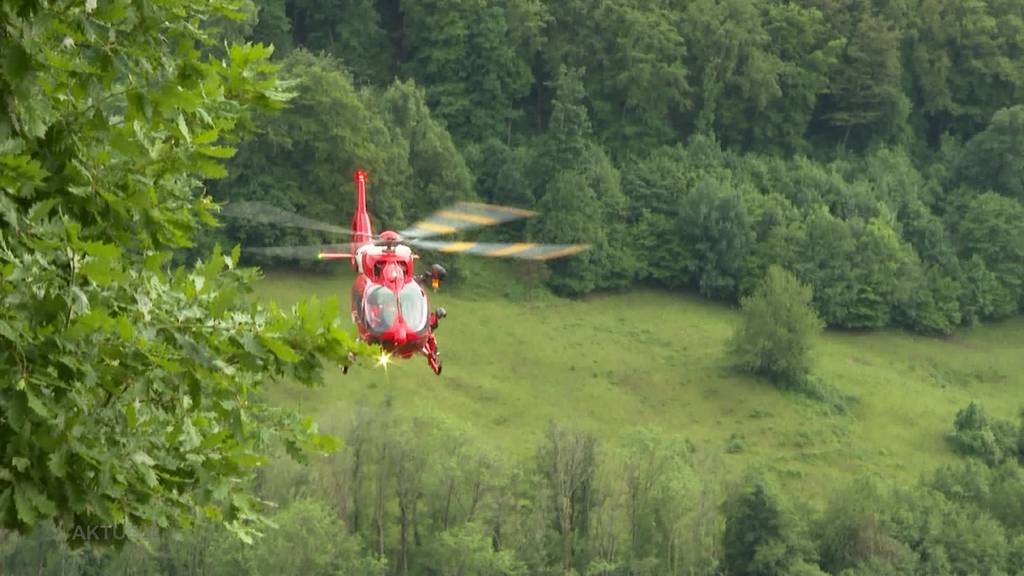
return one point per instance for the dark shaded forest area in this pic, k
(876, 149)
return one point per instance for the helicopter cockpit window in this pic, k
(414, 306)
(380, 307)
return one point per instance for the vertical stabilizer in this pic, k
(362, 231)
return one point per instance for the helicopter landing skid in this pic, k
(430, 351)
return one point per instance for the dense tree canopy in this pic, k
(700, 142)
(131, 393)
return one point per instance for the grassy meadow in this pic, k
(610, 362)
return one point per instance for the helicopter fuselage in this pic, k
(389, 307)
(388, 304)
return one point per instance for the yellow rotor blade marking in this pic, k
(439, 228)
(474, 218)
(562, 252)
(458, 247)
(511, 249)
(507, 209)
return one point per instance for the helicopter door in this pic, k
(380, 308)
(414, 306)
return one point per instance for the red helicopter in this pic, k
(389, 304)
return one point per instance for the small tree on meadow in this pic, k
(777, 329)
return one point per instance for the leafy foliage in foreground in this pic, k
(130, 393)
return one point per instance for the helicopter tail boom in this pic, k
(362, 230)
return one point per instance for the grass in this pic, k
(611, 362)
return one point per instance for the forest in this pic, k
(872, 149)
(427, 496)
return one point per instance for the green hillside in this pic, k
(648, 357)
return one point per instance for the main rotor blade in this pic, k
(269, 214)
(311, 252)
(524, 250)
(463, 216)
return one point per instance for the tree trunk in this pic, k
(39, 558)
(634, 522)
(566, 528)
(448, 501)
(496, 536)
(404, 542)
(416, 524)
(379, 508)
(477, 493)
(540, 107)
(354, 488)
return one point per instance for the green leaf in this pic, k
(102, 250)
(37, 405)
(41, 210)
(213, 513)
(214, 265)
(124, 329)
(207, 136)
(223, 301)
(190, 437)
(142, 459)
(41, 502)
(280, 349)
(7, 332)
(202, 207)
(154, 261)
(8, 209)
(148, 475)
(183, 127)
(19, 172)
(217, 151)
(58, 463)
(96, 319)
(23, 504)
(16, 61)
(248, 460)
(326, 443)
(102, 273)
(20, 463)
(78, 300)
(241, 534)
(210, 169)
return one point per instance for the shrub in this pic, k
(777, 329)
